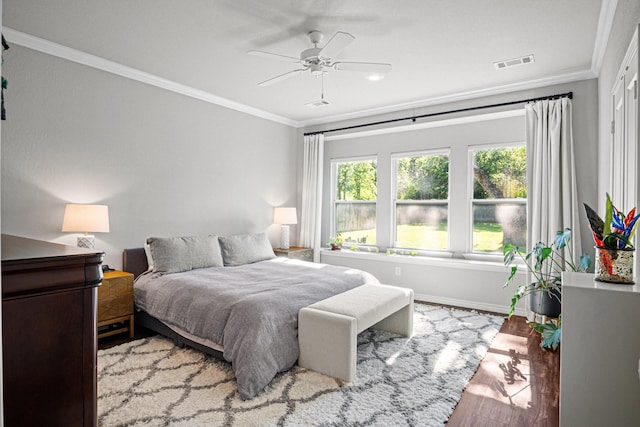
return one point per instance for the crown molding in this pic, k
(80, 57)
(605, 23)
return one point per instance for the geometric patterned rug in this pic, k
(401, 381)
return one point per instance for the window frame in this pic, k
(334, 188)
(471, 201)
(394, 199)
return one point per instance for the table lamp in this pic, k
(285, 216)
(86, 219)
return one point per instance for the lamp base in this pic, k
(87, 241)
(284, 237)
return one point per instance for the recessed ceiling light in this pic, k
(375, 77)
(523, 60)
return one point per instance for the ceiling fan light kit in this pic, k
(316, 69)
(320, 60)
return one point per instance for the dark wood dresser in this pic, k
(49, 333)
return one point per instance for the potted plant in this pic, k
(612, 236)
(545, 263)
(336, 243)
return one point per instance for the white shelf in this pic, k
(587, 281)
(599, 355)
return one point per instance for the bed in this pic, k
(237, 302)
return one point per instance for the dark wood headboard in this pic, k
(134, 261)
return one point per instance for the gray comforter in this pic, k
(251, 310)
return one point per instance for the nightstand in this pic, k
(115, 304)
(296, 252)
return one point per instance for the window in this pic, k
(453, 188)
(355, 194)
(499, 200)
(421, 201)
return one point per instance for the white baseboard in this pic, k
(468, 304)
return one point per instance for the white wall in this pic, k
(454, 282)
(599, 384)
(443, 281)
(164, 163)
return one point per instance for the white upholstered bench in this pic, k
(328, 329)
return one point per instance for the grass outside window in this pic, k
(487, 237)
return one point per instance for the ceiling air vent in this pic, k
(514, 62)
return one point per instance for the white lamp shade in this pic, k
(86, 218)
(285, 216)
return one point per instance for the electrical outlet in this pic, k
(398, 271)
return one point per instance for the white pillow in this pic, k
(147, 252)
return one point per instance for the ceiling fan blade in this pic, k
(337, 43)
(281, 77)
(270, 55)
(365, 67)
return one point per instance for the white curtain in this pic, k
(311, 208)
(552, 203)
(552, 194)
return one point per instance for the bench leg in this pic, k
(400, 322)
(327, 343)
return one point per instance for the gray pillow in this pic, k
(176, 254)
(245, 249)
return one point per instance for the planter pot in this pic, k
(547, 305)
(614, 265)
(336, 247)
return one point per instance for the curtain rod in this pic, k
(414, 118)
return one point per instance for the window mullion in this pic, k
(458, 206)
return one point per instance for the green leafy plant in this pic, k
(545, 263)
(335, 242)
(551, 332)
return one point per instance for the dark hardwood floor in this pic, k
(517, 383)
(114, 340)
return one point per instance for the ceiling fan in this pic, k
(321, 59)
